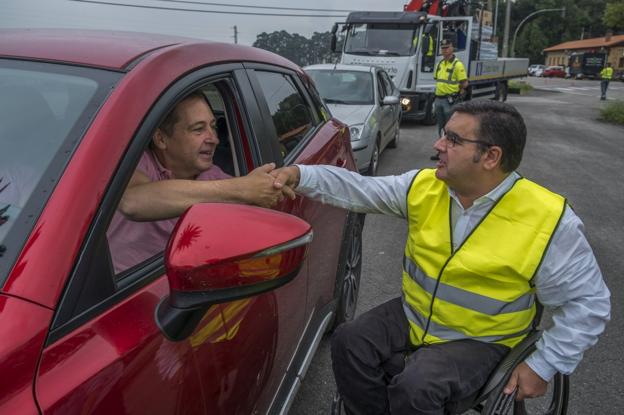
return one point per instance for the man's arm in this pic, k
(348, 190)
(570, 282)
(145, 200)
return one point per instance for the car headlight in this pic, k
(405, 101)
(356, 131)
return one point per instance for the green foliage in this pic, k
(613, 112)
(297, 48)
(582, 18)
(614, 15)
(519, 87)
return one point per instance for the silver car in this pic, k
(366, 99)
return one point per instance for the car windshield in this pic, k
(344, 87)
(381, 39)
(43, 108)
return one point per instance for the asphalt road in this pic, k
(572, 153)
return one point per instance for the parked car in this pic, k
(365, 98)
(554, 71)
(534, 69)
(227, 318)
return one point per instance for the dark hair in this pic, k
(499, 124)
(168, 124)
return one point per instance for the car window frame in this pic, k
(264, 108)
(21, 230)
(85, 295)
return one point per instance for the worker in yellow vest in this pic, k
(482, 242)
(606, 74)
(451, 84)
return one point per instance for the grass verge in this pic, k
(613, 112)
(519, 87)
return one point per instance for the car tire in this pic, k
(349, 270)
(394, 143)
(374, 161)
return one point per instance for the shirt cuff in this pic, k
(540, 366)
(303, 176)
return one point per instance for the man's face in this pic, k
(190, 148)
(459, 165)
(447, 51)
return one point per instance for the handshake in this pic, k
(267, 186)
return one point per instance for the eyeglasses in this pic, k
(454, 139)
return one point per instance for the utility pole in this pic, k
(506, 32)
(235, 34)
(513, 43)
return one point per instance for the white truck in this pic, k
(406, 45)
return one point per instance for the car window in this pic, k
(134, 241)
(43, 111)
(381, 87)
(388, 84)
(344, 86)
(291, 114)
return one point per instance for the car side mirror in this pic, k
(220, 252)
(390, 100)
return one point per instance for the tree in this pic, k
(614, 15)
(297, 48)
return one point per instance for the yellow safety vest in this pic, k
(483, 290)
(606, 73)
(448, 76)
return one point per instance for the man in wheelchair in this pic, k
(485, 247)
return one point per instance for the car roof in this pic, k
(341, 67)
(116, 50)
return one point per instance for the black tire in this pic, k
(374, 161)
(394, 143)
(430, 114)
(502, 91)
(554, 402)
(349, 270)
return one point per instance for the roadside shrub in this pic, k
(519, 87)
(613, 112)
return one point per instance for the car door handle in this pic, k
(341, 162)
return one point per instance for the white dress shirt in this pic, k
(568, 281)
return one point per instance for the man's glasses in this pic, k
(454, 139)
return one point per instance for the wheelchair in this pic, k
(491, 400)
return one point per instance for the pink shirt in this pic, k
(133, 242)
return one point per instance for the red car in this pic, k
(554, 71)
(227, 318)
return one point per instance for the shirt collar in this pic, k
(494, 194)
(163, 172)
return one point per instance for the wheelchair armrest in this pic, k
(501, 374)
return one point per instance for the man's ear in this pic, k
(159, 138)
(492, 158)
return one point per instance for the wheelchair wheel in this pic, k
(554, 402)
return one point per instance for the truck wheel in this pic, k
(430, 113)
(502, 91)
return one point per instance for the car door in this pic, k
(391, 89)
(386, 111)
(105, 353)
(302, 133)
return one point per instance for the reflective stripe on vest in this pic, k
(482, 290)
(449, 80)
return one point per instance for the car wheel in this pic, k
(349, 270)
(395, 140)
(374, 161)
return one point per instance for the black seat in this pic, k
(223, 153)
(491, 400)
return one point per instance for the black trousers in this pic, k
(378, 372)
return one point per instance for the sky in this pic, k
(153, 16)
